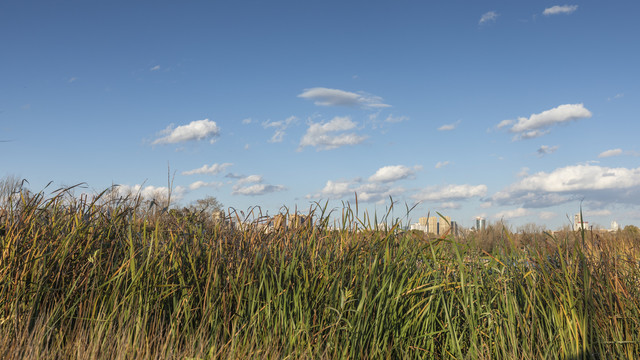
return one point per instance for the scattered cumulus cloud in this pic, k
(253, 185)
(560, 9)
(487, 17)
(331, 135)
(280, 127)
(609, 153)
(213, 169)
(334, 97)
(441, 164)
(393, 173)
(449, 127)
(537, 125)
(370, 192)
(194, 131)
(451, 193)
(250, 179)
(546, 150)
(572, 183)
(257, 189)
(200, 184)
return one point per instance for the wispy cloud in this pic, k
(546, 150)
(393, 173)
(537, 125)
(449, 127)
(610, 153)
(510, 214)
(441, 164)
(280, 127)
(155, 68)
(396, 119)
(489, 16)
(200, 184)
(335, 97)
(208, 169)
(246, 121)
(72, 79)
(560, 9)
(331, 135)
(194, 131)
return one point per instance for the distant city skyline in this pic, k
(518, 111)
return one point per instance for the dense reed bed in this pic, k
(96, 279)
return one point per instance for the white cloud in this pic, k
(369, 192)
(393, 173)
(155, 68)
(591, 182)
(510, 214)
(199, 184)
(564, 9)
(246, 121)
(195, 130)
(396, 119)
(523, 172)
(489, 16)
(546, 150)
(451, 192)
(280, 127)
(547, 215)
(441, 164)
(609, 153)
(537, 124)
(257, 189)
(504, 123)
(336, 189)
(151, 192)
(449, 205)
(323, 135)
(250, 179)
(212, 169)
(334, 97)
(449, 127)
(72, 79)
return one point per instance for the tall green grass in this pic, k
(91, 279)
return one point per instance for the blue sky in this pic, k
(504, 109)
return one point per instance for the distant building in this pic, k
(444, 225)
(579, 223)
(615, 226)
(481, 223)
(437, 225)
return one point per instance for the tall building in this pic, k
(445, 225)
(579, 223)
(432, 225)
(481, 223)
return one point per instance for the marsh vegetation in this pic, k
(99, 277)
